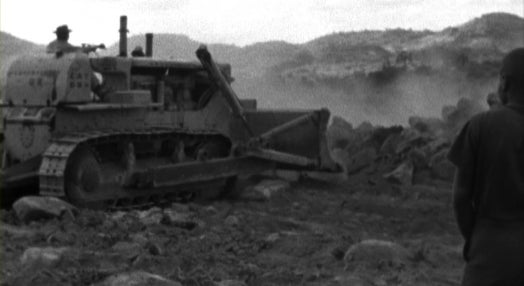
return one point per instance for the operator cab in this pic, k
(173, 85)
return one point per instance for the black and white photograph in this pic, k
(239, 143)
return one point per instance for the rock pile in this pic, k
(413, 154)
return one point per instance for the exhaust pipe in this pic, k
(123, 37)
(149, 45)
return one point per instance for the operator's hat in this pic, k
(513, 64)
(62, 29)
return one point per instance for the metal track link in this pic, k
(54, 163)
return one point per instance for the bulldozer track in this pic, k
(55, 161)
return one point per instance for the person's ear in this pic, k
(504, 83)
(503, 89)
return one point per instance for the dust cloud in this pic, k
(386, 103)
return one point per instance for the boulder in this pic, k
(364, 127)
(340, 133)
(340, 156)
(289, 176)
(151, 216)
(403, 174)
(351, 279)
(139, 238)
(181, 208)
(410, 139)
(126, 247)
(360, 160)
(127, 250)
(232, 220)
(339, 122)
(264, 190)
(231, 283)
(380, 134)
(441, 167)
(272, 238)
(179, 219)
(338, 252)
(376, 254)
(435, 146)
(427, 125)
(36, 208)
(154, 248)
(37, 257)
(210, 210)
(17, 232)
(418, 157)
(438, 253)
(422, 177)
(389, 146)
(118, 215)
(137, 278)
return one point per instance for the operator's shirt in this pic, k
(61, 46)
(492, 144)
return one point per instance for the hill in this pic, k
(497, 31)
(485, 38)
(382, 76)
(10, 47)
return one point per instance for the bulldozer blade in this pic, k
(295, 137)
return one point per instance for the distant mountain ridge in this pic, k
(496, 30)
(493, 34)
(10, 47)
(484, 38)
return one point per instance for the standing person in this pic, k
(488, 192)
(61, 44)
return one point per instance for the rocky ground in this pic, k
(386, 221)
(363, 231)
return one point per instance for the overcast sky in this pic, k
(238, 22)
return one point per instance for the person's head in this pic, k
(138, 51)
(511, 84)
(493, 100)
(62, 32)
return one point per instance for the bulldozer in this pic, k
(120, 131)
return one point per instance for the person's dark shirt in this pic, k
(492, 143)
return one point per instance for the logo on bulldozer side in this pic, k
(27, 135)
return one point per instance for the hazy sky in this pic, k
(239, 22)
